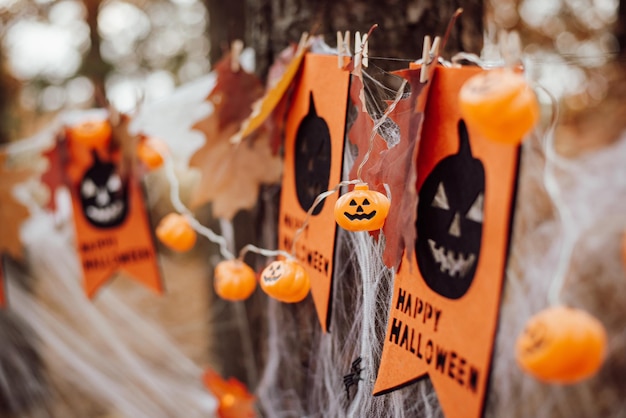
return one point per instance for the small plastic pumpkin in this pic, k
(91, 133)
(362, 209)
(150, 151)
(561, 345)
(286, 281)
(176, 233)
(500, 105)
(234, 280)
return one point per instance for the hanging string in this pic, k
(262, 251)
(316, 202)
(568, 226)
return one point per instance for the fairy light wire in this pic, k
(182, 209)
(568, 227)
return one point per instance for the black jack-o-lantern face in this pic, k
(312, 158)
(450, 221)
(103, 195)
(273, 272)
(360, 213)
(536, 337)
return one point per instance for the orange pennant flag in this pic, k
(314, 144)
(446, 299)
(112, 228)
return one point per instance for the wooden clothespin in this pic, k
(510, 46)
(235, 54)
(429, 54)
(361, 49)
(304, 40)
(343, 47)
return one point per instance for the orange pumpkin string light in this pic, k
(176, 233)
(181, 208)
(234, 280)
(286, 281)
(561, 345)
(500, 105)
(150, 151)
(362, 209)
(91, 133)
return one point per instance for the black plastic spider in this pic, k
(352, 378)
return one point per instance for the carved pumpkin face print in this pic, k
(286, 281)
(103, 195)
(312, 155)
(561, 345)
(450, 220)
(362, 209)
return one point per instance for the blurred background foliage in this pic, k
(58, 55)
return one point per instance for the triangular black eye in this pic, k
(352, 202)
(366, 202)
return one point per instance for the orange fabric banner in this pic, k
(314, 144)
(112, 228)
(444, 312)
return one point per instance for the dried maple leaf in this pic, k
(12, 212)
(363, 135)
(234, 400)
(270, 110)
(394, 166)
(397, 167)
(231, 173)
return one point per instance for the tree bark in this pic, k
(271, 25)
(94, 66)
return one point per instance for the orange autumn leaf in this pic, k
(12, 212)
(234, 400)
(232, 173)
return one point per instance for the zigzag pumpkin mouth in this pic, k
(454, 264)
(271, 279)
(105, 214)
(360, 216)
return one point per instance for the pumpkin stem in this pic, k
(312, 110)
(464, 144)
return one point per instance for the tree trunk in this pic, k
(620, 30)
(94, 66)
(270, 25)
